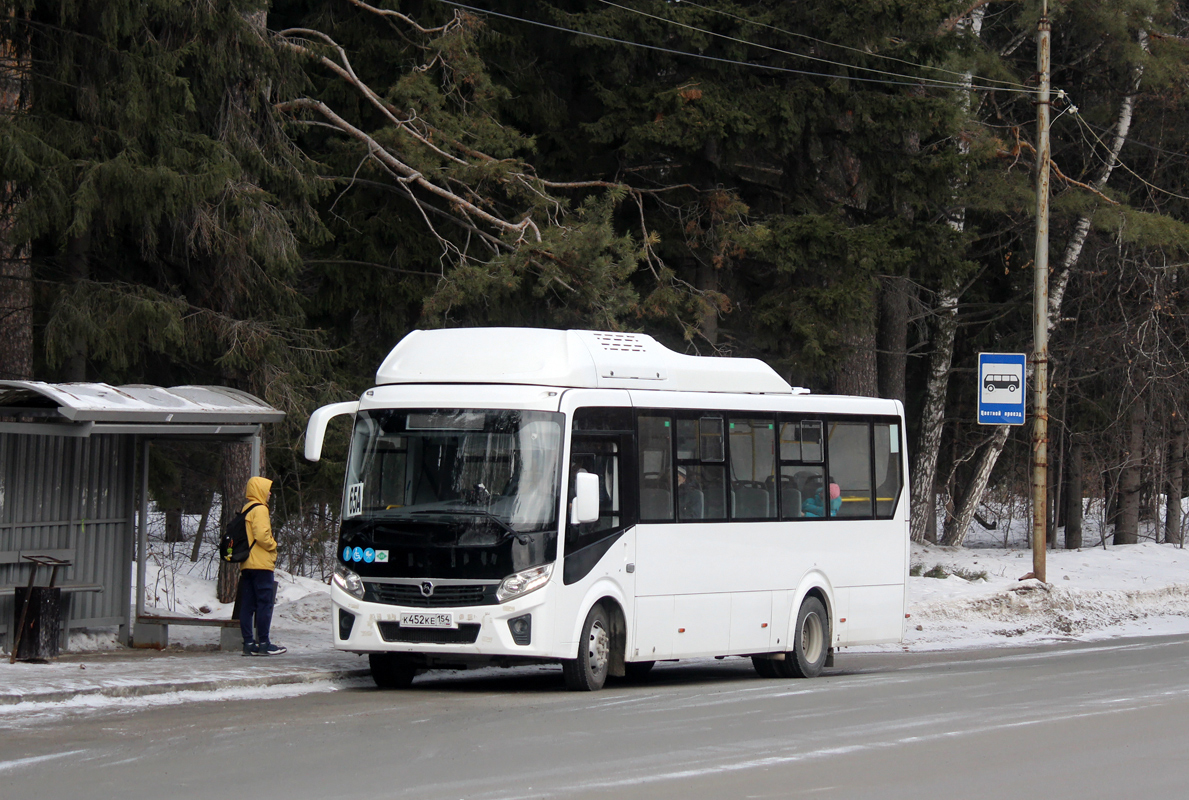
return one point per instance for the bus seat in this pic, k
(790, 498)
(749, 501)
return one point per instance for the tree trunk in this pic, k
(857, 373)
(923, 505)
(206, 513)
(1053, 506)
(1127, 530)
(16, 298)
(78, 258)
(16, 271)
(173, 525)
(892, 352)
(931, 517)
(708, 281)
(955, 529)
(924, 464)
(236, 466)
(1073, 498)
(234, 479)
(1175, 488)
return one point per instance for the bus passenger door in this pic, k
(601, 444)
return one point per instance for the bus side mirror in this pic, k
(316, 427)
(586, 498)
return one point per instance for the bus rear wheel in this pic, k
(588, 672)
(391, 671)
(811, 643)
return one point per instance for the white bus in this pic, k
(596, 500)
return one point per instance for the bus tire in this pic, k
(391, 671)
(588, 672)
(811, 643)
(765, 666)
(637, 670)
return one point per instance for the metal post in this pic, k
(142, 538)
(255, 466)
(1040, 306)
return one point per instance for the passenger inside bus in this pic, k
(691, 501)
(814, 505)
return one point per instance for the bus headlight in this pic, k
(348, 581)
(523, 582)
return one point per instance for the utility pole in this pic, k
(1040, 306)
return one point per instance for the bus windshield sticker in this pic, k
(894, 437)
(354, 500)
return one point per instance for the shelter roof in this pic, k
(102, 408)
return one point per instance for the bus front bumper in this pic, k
(513, 631)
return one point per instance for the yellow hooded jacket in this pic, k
(264, 554)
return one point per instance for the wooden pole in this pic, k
(1040, 309)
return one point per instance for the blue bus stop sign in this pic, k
(1001, 390)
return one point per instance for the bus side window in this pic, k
(655, 442)
(850, 468)
(701, 468)
(888, 480)
(753, 468)
(599, 456)
(803, 488)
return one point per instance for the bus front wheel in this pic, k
(588, 672)
(391, 671)
(811, 643)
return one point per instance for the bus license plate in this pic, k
(418, 620)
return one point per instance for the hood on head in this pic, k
(258, 489)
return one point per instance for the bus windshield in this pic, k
(457, 476)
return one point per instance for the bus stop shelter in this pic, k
(74, 486)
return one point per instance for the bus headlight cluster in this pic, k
(523, 582)
(348, 581)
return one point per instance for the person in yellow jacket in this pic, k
(257, 582)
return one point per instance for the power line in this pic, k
(1120, 162)
(910, 81)
(1171, 153)
(961, 75)
(931, 81)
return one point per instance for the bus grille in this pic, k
(400, 594)
(465, 633)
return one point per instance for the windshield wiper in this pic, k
(508, 530)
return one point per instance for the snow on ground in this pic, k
(1092, 593)
(1095, 592)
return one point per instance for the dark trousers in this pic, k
(257, 593)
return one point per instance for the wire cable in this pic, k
(910, 81)
(807, 37)
(1180, 156)
(1119, 162)
(694, 28)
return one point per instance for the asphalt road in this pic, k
(1104, 720)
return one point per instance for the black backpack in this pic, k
(234, 547)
